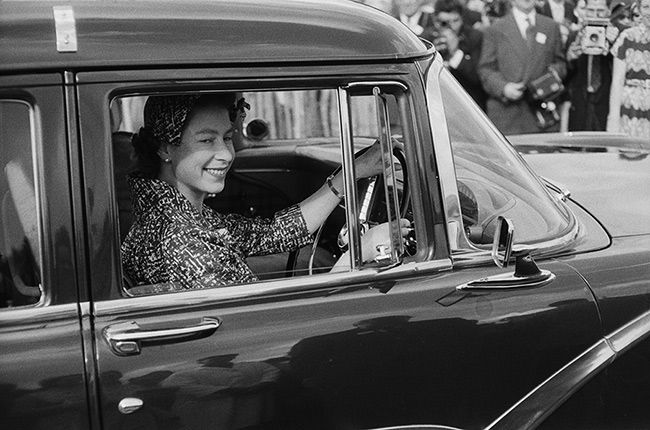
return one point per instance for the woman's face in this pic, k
(200, 163)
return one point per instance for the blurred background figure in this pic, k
(494, 9)
(629, 108)
(518, 49)
(590, 67)
(416, 14)
(384, 5)
(459, 45)
(561, 11)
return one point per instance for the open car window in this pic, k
(292, 141)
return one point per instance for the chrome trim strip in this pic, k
(550, 394)
(630, 334)
(445, 160)
(306, 284)
(65, 26)
(353, 85)
(547, 396)
(354, 235)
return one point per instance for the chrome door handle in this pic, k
(128, 338)
(509, 281)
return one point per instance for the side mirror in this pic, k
(502, 243)
(257, 130)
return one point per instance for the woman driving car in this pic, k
(183, 154)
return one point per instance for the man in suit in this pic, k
(460, 46)
(518, 48)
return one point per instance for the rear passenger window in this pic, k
(20, 277)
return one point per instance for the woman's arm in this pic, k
(615, 95)
(317, 207)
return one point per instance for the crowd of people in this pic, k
(543, 65)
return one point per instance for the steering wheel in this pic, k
(373, 197)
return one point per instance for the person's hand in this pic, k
(452, 41)
(514, 90)
(379, 236)
(611, 33)
(575, 49)
(369, 163)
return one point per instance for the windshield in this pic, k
(492, 179)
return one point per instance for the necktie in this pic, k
(530, 33)
(593, 73)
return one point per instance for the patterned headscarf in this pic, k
(165, 116)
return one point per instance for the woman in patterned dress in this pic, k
(629, 103)
(183, 152)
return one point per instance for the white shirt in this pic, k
(520, 18)
(557, 10)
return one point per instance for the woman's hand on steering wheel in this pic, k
(368, 162)
(378, 238)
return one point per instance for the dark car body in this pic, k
(415, 342)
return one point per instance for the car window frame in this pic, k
(106, 91)
(36, 181)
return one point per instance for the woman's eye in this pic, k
(227, 138)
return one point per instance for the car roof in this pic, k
(118, 35)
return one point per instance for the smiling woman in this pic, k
(183, 154)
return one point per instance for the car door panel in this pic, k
(334, 358)
(42, 370)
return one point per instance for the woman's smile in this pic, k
(217, 172)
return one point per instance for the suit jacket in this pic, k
(569, 16)
(470, 42)
(506, 57)
(588, 110)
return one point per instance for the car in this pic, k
(430, 332)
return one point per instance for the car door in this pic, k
(42, 372)
(368, 347)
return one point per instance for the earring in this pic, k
(166, 160)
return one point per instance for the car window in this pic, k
(292, 142)
(20, 250)
(492, 179)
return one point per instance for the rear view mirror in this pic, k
(502, 243)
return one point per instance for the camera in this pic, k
(594, 40)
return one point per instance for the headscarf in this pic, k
(165, 116)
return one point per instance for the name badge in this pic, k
(540, 38)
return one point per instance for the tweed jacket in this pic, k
(171, 242)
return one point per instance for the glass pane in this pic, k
(19, 235)
(492, 179)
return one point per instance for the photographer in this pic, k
(590, 67)
(460, 46)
